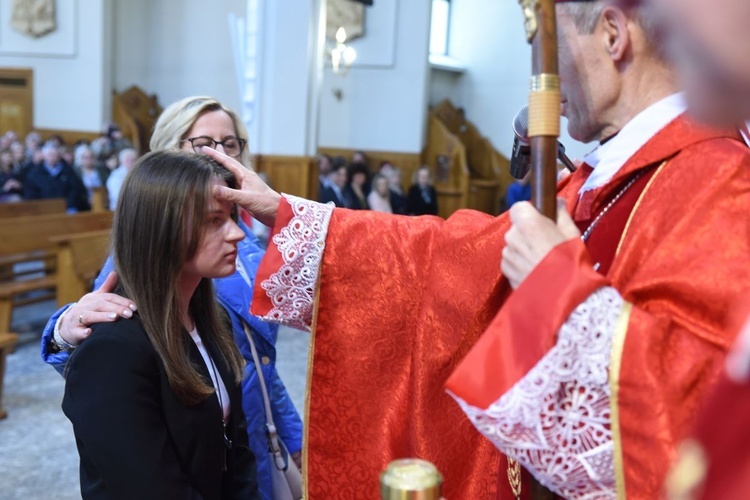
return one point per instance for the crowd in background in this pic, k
(354, 185)
(41, 169)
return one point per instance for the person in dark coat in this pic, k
(54, 178)
(422, 197)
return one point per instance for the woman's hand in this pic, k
(254, 195)
(100, 306)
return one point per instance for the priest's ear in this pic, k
(615, 33)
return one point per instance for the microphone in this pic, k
(520, 158)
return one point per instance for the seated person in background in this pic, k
(7, 139)
(110, 142)
(334, 192)
(519, 190)
(398, 200)
(422, 198)
(86, 169)
(379, 198)
(10, 186)
(18, 151)
(355, 193)
(324, 172)
(127, 158)
(68, 155)
(33, 143)
(54, 178)
(110, 163)
(360, 158)
(155, 400)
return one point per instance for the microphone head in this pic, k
(521, 124)
(520, 158)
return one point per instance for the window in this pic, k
(439, 26)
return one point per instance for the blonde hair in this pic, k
(178, 118)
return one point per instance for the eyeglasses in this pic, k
(233, 146)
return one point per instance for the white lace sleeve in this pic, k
(301, 243)
(556, 420)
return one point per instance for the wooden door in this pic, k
(16, 100)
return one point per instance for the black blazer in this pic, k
(328, 195)
(136, 440)
(416, 203)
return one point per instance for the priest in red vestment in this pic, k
(623, 324)
(712, 43)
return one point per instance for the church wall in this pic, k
(283, 106)
(177, 48)
(71, 90)
(487, 36)
(383, 103)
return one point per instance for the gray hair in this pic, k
(586, 15)
(127, 152)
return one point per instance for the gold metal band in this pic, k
(544, 82)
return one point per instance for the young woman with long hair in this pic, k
(187, 125)
(155, 399)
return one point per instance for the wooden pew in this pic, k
(488, 170)
(32, 207)
(79, 259)
(31, 236)
(7, 342)
(100, 200)
(446, 156)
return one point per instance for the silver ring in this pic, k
(80, 320)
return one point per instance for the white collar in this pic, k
(608, 158)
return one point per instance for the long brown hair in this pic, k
(157, 227)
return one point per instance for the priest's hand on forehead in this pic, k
(253, 194)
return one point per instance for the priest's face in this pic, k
(587, 91)
(710, 42)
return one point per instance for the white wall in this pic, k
(177, 48)
(383, 107)
(283, 105)
(487, 36)
(73, 92)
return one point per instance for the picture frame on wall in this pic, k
(61, 42)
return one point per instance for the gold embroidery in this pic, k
(308, 388)
(514, 477)
(638, 204)
(618, 344)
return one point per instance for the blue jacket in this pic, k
(234, 294)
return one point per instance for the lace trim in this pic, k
(556, 420)
(301, 244)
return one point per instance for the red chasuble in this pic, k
(715, 461)
(400, 302)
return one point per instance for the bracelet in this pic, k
(57, 339)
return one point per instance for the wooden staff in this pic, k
(544, 103)
(544, 124)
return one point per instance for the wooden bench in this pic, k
(7, 342)
(32, 235)
(100, 200)
(32, 207)
(79, 259)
